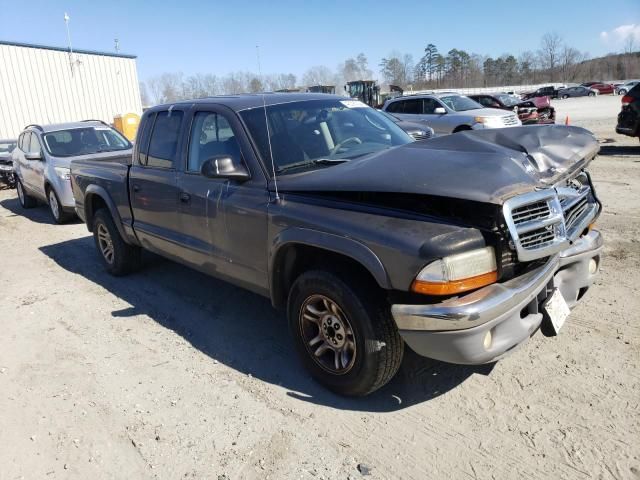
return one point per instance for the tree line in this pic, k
(553, 61)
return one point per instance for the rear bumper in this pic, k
(456, 330)
(629, 131)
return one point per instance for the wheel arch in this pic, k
(296, 250)
(462, 128)
(95, 198)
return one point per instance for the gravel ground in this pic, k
(168, 373)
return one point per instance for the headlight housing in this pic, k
(458, 273)
(63, 173)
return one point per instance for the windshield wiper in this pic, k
(317, 161)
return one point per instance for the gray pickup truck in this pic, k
(461, 247)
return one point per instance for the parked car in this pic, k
(578, 91)
(456, 246)
(602, 88)
(449, 113)
(44, 154)
(6, 165)
(419, 131)
(626, 87)
(549, 91)
(528, 111)
(629, 116)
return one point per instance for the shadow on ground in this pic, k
(620, 150)
(243, 331)
(38, 214)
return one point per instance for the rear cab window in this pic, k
(165, 136)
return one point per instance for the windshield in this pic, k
(508, 100)
(458, 103)
(84, 141)
(7, 146)
(316, 133)
(393, 118)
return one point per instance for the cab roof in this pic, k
(247, 101)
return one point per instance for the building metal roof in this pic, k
(66, 49)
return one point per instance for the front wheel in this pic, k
(564, 97)
(344, 335)
(26, 201)
(592, 94)
(118, 257)
(55, 207)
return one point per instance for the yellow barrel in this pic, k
(127, 124)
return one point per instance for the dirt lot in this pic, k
(170, 374)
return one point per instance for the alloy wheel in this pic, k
(327, 334)
(53, 204)
(106, 243)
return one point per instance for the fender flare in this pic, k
(97, 190)
(346, 246)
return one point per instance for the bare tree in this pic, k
(550, 46)
(144, 95)
(318, 75)
(255, 85)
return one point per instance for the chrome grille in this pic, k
(530, 212)
(417, 136)
(510, 120)
(544, 222)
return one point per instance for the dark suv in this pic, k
(629, 116)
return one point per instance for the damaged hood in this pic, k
(486, 166)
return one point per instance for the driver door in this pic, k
(223, 222)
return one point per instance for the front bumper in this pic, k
(457, 330)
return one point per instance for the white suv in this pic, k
(42, 160)
(449, 112)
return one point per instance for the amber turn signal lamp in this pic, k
(454, 286)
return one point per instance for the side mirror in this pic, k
(33, 155)
(439, 111)
(223, 166)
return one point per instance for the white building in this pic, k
(40, 84)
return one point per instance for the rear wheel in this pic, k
(592, 94)
(55, 207)
(344, 335)
(118, 257)
(26, 201)
(564, 97)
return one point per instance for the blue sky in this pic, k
(219, 37)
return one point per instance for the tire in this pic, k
(55, 207)
(371, 348)
(26, 200)
(564, 97)
(118, 257)
(592, 94)
(622, 92)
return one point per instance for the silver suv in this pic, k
(42, 160)
(450, 112)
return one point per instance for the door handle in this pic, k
(185, 197)
(136, 187)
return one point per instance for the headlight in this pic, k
(63, 173)
(457, 273)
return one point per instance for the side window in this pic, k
(20, 139)
(395, 107)
(143, 140)
(430, 105)
(34, 144)
(211, 135)
(26, 139)
(163, 146)
(413, 106)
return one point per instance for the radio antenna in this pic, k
(266, 122)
